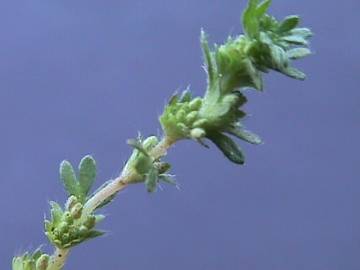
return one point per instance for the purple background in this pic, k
(79, 77)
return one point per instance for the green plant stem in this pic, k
(60, 256)
(124, 178)
(58, 259)
(115, 186)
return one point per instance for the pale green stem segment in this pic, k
(60, 256)
(58, 259)
(124, 179)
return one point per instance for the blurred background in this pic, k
(81, 77)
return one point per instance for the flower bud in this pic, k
(150, 143)
(191, 117)
(76, 211)
(68, 218)
(195, 104)
(182, 127)
(197, 133)
(71, 201)
(65, 238)
(180, 115)
(200, 123)
(42, 262)
(83, 230)
(63, 227)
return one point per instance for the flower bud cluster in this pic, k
(35, 261)
(181, 117)
(69, 227)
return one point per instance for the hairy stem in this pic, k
(115, 186)
(59, 257)
(124, 178)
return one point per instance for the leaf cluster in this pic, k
(79, 185)
(274, 43)
(239, 63)
(69, 227)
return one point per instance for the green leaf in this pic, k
(167, 178)
(209, 62)
(87, 174)
(279, 57)
(68, 178)
(56, 212)
(173, 99)
(245, 135)
(263, 8)
(99, 218)
(163, 167)
(289, 23)
(93, 234)
(254, 75)
(186, 96)
(303, 32)
(136, 143)
(151, 180)
(37, 253)
(250, 19)
(298, 53)
(229, 148)
(294, 73)
(296, 40)
(17, 263)
(88, 235)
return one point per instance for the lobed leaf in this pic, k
(87, 174)
(68, 178)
